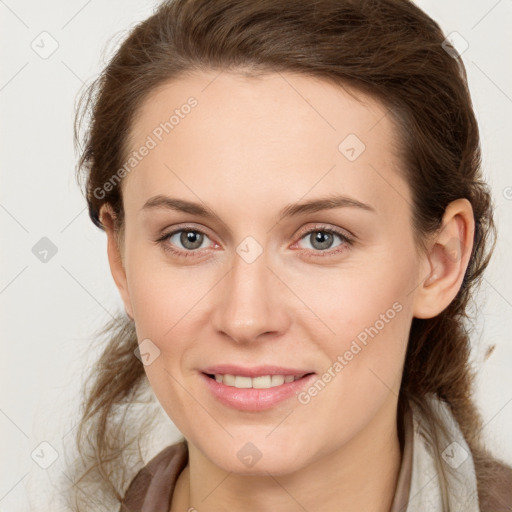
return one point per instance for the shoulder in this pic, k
(497, 497)
(157, 477)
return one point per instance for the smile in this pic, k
(259, 382)
(257, 393)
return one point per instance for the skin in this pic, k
(249, 148)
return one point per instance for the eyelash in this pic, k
(346, 240)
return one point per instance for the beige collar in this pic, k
(437, 471)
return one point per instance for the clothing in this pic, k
(429, 487)
(421, 484)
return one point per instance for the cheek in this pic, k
(362, 319)
(164, 297)
(370, 315)
(358, 295)
(167, 303)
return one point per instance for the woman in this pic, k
(296, 222)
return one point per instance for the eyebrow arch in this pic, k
(171, 203)
(323, 203)
(291, 210)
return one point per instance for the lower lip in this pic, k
(250, 399)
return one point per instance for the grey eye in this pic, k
(189, 239)
(321, 239)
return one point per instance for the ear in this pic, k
(446, 260)
(114, 250)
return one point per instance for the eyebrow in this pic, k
(291, 210)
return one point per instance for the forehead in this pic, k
(251, 136)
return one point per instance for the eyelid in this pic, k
(345, 233)
(187, 227)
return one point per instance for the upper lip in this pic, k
(254, 371)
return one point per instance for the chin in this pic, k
(251, 461)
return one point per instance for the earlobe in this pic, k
(446, 260)
(114, 251)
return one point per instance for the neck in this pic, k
(360, 475)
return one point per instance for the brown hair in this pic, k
(389, 49)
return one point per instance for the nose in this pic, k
(250, 302)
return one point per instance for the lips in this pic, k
(253, 399)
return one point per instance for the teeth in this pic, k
(243, 382)
(261, 382)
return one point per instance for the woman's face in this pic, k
(267, 224)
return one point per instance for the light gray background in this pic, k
(49, 310)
